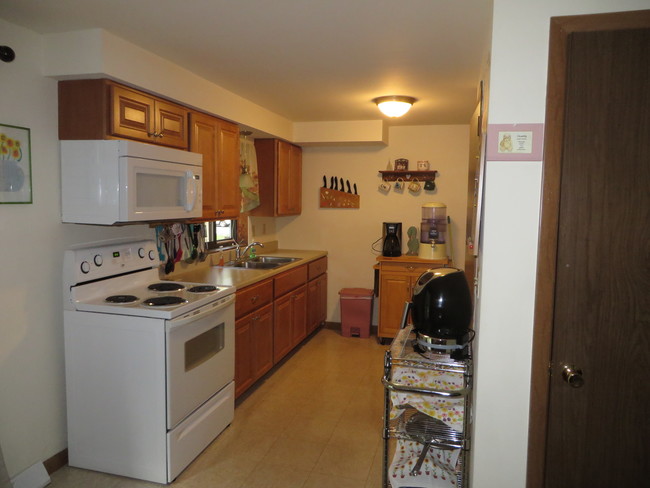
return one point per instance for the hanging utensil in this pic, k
(188, 245)
(202, 253)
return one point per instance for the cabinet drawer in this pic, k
(253, 297)
(317, 268)
(290, 280)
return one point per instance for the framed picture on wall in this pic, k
(15, 164)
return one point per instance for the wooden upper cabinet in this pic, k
(218, 141)
(279, 167)
(102, 109)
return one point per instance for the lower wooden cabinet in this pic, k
(316, 302)
(397, 278)
(273, 316)
(253, 347)
(290, 321)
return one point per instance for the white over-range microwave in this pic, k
(117, 181)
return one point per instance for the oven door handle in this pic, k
(201, 312)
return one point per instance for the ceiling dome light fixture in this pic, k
(394, 105)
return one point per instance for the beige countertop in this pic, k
(240, 278)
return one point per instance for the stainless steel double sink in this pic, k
(261, 262)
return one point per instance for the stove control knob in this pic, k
(152, 255)
(85, 267)
(141, 252)
(98, 259)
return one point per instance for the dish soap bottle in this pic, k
(252, 254)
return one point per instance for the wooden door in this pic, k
(262, 341)
(228, 194)
(171, 125)
(282, 335)
(243, 354)
(394, 291)
(298, 315)
(204, 140)
(593, 309)
(132, 115)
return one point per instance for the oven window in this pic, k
(202, 347)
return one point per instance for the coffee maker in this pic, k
(392, 239)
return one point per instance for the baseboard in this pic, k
(33, 477)
(56, 462)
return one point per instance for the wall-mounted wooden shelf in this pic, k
(409, 175)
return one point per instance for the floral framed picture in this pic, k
(15, 164)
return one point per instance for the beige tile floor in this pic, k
(314, 423)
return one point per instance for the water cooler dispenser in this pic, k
(434, 231)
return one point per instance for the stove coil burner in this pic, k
(165, 286)
(163, 301)
(202, 289)
(121, 299)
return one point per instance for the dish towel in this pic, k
(437, 470)
(248, 179)
(448, 410)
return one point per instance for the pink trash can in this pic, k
(356, 312)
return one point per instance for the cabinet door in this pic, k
(394, 291)
(322, 298)
(243, 355)
(218, 142)
(316, 302)
(228, 195)
(298, 315)
(262, 325)
(289, 179)
(282, 318)
(204, 139)
(136, 115)
(170, 124)
(132, 114)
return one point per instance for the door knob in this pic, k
(573, 376)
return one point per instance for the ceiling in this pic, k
(307, 60)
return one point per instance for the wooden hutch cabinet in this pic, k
(397, 278)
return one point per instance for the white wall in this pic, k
(32, 398)
(348, 234)
(509, 246)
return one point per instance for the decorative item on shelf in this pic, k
(413, 243)
(335, 197)
(399, 184)
(401, 164)
(389, 166)
(414, 186)
(429, 185)
(384, 187)
(423, 165)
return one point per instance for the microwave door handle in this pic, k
(190, 191)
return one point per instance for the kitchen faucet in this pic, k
(239, 252)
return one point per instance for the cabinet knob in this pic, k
(410, 268)
(254, 298)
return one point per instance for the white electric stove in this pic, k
(149, 363)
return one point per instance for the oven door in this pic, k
(200, 357)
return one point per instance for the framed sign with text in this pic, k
(515, 142)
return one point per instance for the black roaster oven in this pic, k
(441, 310)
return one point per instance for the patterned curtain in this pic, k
(248, 182)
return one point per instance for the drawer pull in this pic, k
(254, 298)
